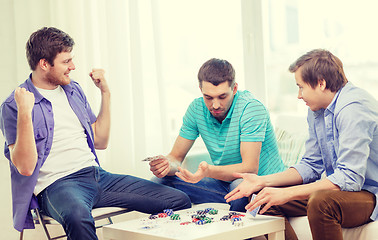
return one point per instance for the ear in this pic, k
(235, 88)
(322, 84)
(44, 64)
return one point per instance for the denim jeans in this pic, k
(206, 191)
(70, 199)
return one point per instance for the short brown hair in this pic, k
(216, 71)
(46, 43)
(321, 64)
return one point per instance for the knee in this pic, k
(183, 201)
(77, 215)
(319, 204)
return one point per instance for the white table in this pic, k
(164, 228)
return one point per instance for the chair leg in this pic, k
(42, 222)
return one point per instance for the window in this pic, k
(189, 34)
(293, 27)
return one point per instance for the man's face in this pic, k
(218, 99)
(313, 97)
(59, 73)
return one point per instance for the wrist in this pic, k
(173, 166)
(209, 171)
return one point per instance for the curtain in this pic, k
(116, 35)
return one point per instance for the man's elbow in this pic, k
(101, 146)
(26, 171)
(251, 169)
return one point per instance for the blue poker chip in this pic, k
(225, 218)
(208, 209)
(201, 222)
(169, 212)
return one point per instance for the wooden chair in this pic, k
(98, 214)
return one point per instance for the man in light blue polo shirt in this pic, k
(237, 132)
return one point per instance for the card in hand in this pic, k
(149, 159)
(256, 210)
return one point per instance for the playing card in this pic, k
(256, 210)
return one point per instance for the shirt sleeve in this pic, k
(253, 122)
(355, 125)
(311, 165)
(189, 128)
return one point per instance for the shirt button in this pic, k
(50, 128)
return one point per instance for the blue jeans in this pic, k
(70, 199)
(207, 190)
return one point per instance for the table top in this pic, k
(165, 228)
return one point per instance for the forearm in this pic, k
(288, 177)
(303, 191)
(24, 152)
(101, 127)
(225, 173)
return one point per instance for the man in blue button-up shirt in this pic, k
(51, 135)
(343, 144)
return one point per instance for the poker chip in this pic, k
(185, 223)
(153, 216)
(225, 218)
(201, 222)
(208, 209)
(233, 213)
(201, 212)
(213, 212)
(237, 221)
(175, 217)
(162, 215)
(207, 220)
(169, 212)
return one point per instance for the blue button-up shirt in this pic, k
(343, 142)
(43, 124)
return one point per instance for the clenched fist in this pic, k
(98, 77)
(24, 100)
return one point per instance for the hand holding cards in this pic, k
(149, 159)
(256, 210)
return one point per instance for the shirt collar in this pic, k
(229, 114)
(331, 106)
(37, 95)
(31, 88)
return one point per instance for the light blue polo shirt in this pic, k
(247, 121)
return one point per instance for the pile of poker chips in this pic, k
(234, 217)
(200, 217)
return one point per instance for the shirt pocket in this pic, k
(40, 136)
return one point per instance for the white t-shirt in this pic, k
(70, 151)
